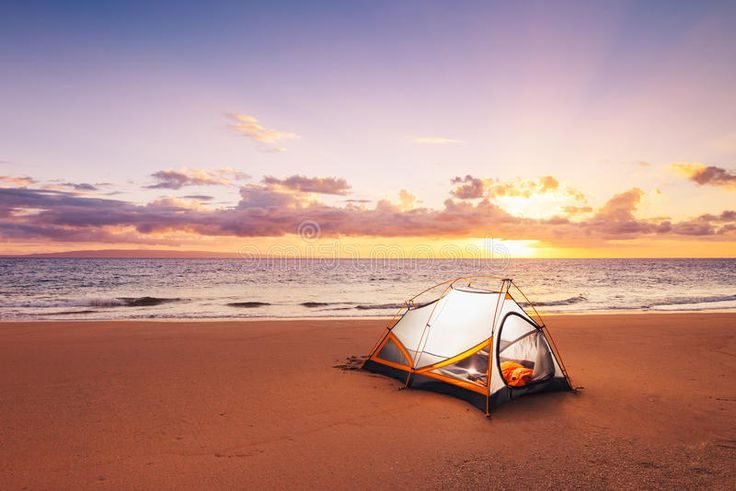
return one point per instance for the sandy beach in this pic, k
(224, 405)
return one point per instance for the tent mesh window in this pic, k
(473, 369)
(523, 354)
(391, 352)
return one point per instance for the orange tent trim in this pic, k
(402, 349)
(465, 354)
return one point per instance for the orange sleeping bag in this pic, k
(516, 374)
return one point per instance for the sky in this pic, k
(557, 129)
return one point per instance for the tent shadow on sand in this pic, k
(471, 341)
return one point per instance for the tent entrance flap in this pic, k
(524, 356)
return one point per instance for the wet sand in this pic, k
(222, 405)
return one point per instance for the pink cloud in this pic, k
(709, 175)
(266, 210)
(318, 185)
(250, 127)
(470, 187)
(16, 181)
(176, 179)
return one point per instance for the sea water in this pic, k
(55, 288)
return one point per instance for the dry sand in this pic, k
(223, 405)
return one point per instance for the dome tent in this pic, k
(474, 342)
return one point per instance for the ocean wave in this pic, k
(72, 312)
(692, 300)
(312, 305)
(381, 306)
(558, 303)
(248, 305)
(145, 301)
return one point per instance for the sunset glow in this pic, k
(559, 130)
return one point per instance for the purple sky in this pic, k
(605, 97)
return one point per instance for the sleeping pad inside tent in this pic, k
(474, 342)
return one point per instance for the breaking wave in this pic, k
(73, 312)
(558, 303)
(94, 302)
(312, 305)
(248, 305)
(380, 306)
(692, 300)
(145, 301)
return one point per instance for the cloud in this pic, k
(548, 183)
(176, 179)
(575, 194)
(265, 198)
(621, 207)
(199, 197)
(707, 224)
(524, 188)
(16, 181)
(269, 211)
(79, 187)
(616, 217)
(82, 186)
(318, 185)
(175, 203)
(406, 199)
(61, 216)
(470, 187)
(250, 127)
(577, 210)
(709, 175)
(436, 140)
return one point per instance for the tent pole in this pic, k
(505, 285)
(559, 358)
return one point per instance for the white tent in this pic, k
(474, 342)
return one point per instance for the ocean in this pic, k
(34, 288)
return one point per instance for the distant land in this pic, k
(132, 254)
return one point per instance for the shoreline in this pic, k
(596, 313)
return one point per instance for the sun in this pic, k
(499, 248)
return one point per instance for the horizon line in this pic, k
(194, 254)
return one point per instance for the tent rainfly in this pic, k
(476, 343)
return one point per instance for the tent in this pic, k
(473, 341)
